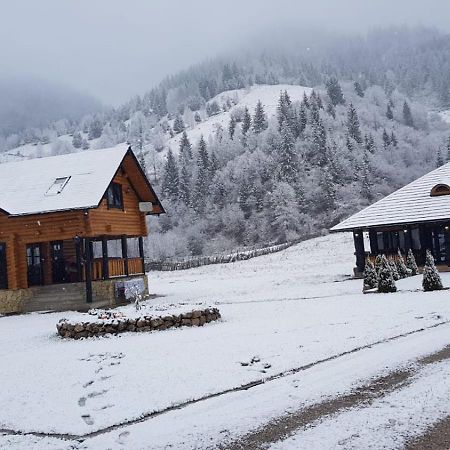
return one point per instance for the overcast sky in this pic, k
(114, 49)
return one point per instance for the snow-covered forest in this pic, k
(232, 175)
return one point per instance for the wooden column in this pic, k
(141, 252)
(88, 268)
(408, 238)
(105, 259)
(359, 250)
(447, 244)
(373, 242)
(125, 254)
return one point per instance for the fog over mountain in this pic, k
(115, 50)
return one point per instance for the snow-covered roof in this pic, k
(28, 187)
(410, 204)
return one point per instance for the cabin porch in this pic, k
(419, 238)
(74, 273)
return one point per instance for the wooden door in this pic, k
(3, 272)
(34, 265)
(59, 272)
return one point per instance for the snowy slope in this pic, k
(268, 94)
(282, 311)
(445, 115)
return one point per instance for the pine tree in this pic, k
(369, 143)
(386, 139)
(287, 159)
(203, 175)
(185, 183)
(246, 121)
(389, 112)
(320, 142)
(302, 118)
(431, 279)
(284, 110)
(448, 151)
(197, 117)
(77, 140)
(232, 127)
(394, 140)
(334, 91)
(358, 89)
(185, 151)
(370, 276)
(439, 158)
(353, 124)
(366, 182)
(331, 110)
(407, 115)
(402, 270)
(259, 119)
(85, 144)
(178, 124)
(385, 278)
(170, 177)
(305, 100)
(411, 263)
(378, 261)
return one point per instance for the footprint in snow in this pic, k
(88, 419)
(82, 401)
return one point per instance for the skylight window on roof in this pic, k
(58, 185)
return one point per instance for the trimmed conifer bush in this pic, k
(402, 270)
(411, 263)
(386, 281)
(378, 260)
(370, 276)
(431, 279)
(394, 271)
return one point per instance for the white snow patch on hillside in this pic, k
(268, 94)
(445, 115)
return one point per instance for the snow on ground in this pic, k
(445, 115)
(400, 415)
(268, 94)
(287, 309)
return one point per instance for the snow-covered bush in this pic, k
(394, 270)
(386, 281)
(411, 263)
(370, 276)
(402, 270)
(431, 278)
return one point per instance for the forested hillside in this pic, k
(234, 172)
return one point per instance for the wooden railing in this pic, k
(116, 267)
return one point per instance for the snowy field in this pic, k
(292, 322)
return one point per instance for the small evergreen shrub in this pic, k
(411, 263)
(431, 278)
(378, 260)
(394, 271)
(386, 281)
(370, 276)
(402, 270)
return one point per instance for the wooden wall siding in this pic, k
(135, 266)
(139, 182)
(117, 222)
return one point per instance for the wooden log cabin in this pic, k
(72, 228)
(415, 217)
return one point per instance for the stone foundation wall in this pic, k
(12, 301)
(147, 323)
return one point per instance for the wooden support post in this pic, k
(125, 254)
(447, 244)
(359, 250)
(141, 252)
(408, 239)
(88, 268)
(373, 242)
(105, 259)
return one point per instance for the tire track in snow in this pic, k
(149, 415)
(283, 427)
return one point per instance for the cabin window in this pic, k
(58, 185)
(133, 248)
(115, 248)
(114, 196)
(440, 189)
